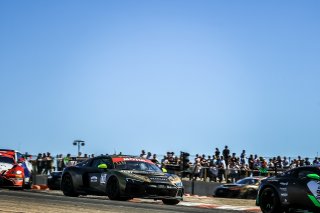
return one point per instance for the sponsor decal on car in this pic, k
(283, 189)
(116, 160)
(284, 183)
(103, 178)
(93, 179)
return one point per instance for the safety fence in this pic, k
(221, 175)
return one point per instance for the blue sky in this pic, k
(162, 76)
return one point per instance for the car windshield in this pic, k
(6, 160)
(250, 181)
(136, 165)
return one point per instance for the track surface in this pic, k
(38, 201)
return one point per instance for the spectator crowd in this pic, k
(220, 166)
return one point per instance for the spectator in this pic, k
(300, 161)
(149, 155)
(234, 171)
(233, 158)
(197, 169)
(243, 157)
(251, 162)
(217, 153)
(263, 167)
(171, 157)
(279, 162)
(285, 163)
(66, 160)
(221, 168)
(213, 172)
(39, 163)
(307, 162)
(143, 154)
(154, 159)
(48, 163)
(164, 159)
(59, 161)
(226, 153)
(315, 161)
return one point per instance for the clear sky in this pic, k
(169, 75)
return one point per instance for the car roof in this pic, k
(6, 155)
(7, 152)
(255, 177)
(118, 156)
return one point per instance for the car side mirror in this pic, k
(103, 166)
(313, 176)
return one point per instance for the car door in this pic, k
(298, 188)
(97, 177)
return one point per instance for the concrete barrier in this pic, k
(200, 188)
(40, 179)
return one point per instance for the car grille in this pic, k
(159, 179)
(153, 189)
(161, 190)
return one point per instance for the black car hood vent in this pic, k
(159, 179)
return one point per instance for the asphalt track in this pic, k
(31, 201)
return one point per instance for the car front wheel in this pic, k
(67, 186)
(269, 201)
(113, 189)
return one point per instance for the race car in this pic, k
(54, 179)
(243, 188)
(121, 177)
(295, 189)
(15, 169)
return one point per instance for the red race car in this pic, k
(13, 172)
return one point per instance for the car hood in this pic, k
(156, 177)
(5, 166)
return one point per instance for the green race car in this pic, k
(295, 189)
(121, 178)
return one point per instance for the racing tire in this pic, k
(67, 186)
(269, 201)
(170, 201)
(113, 189)
(28, 185)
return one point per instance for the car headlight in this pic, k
(179, 184)
(173, 178)
(15, 172)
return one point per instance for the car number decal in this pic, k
(103, 178)
(314, 187)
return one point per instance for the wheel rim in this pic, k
(268, 200)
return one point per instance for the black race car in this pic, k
(243, 188)
(121, 178)
(295, 189)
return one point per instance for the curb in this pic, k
(246, 209)
(40, 187)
